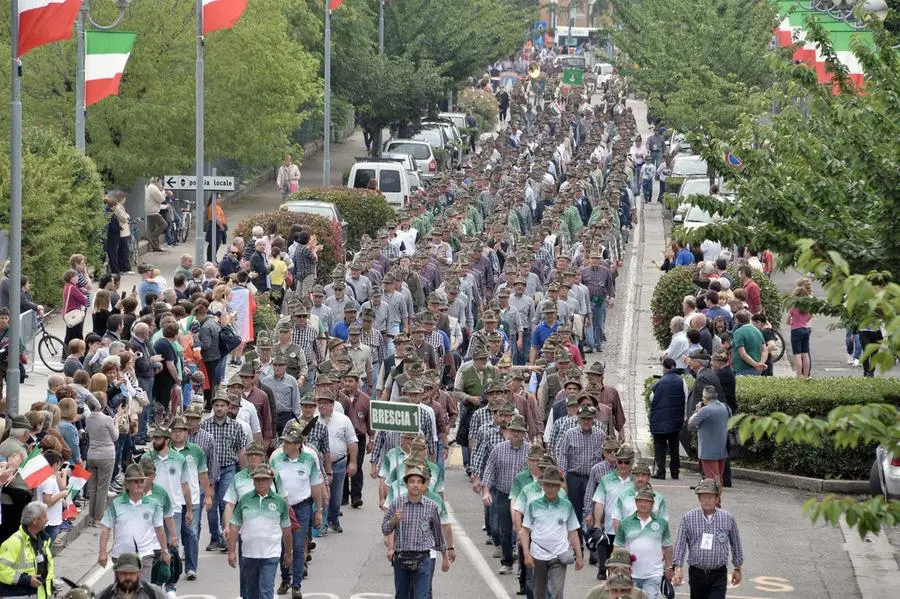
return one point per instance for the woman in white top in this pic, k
(52, 492)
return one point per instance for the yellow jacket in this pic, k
(19, 562)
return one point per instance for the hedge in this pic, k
(483, 105)
(62, 210)
(365, 210)
(815, 397)
(678, 282)
(329, 235)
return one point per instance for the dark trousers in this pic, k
(124, 250)
(156, 226)
(666, 444)
(865, 338)
(112, 252)
(603, 552)
(353, 486)
(708, 584)
(576, 484)
(504, 523)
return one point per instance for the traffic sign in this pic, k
(190, 182)
(394, 416)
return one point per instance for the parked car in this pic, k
(687, 165)
(697, 217)
(454, 143)
(390, 179)
(691, 186)
(420, 151)
(884, 477)
(412, 169)
(605, 72)
(324, 209)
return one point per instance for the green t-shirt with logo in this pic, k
(195, 464)
(261, 521)
(645, 540)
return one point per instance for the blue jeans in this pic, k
(258, 577)
(598, 321)
(190, 535)
(854, 347)
(146, 415)
(650, 586)
(747, 373)
(647, 189)
(520, 357)
(338, 473)
(303, 513)
(413, 585)
(503, 518)
(217, 513)
(53, 531)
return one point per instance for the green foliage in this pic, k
(672, 53)
(258, 84)
(62, 209)
(442, 157)
(666, 301)
(865, 516)
(365, 210)
(265, 318)
(483, 105)
(327, 233)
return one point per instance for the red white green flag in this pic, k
(70, 513)
(45, 21)
(77, 479)
(332, 4)
(35, 470)
(106, 53)
(221, 14)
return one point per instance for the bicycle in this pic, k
(50, 348)
(134, 251)
(187, 222)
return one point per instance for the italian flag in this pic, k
(35, 470)
(70, 513)
(106, 53)
(221, 14)
(77, 479)
(45, 21)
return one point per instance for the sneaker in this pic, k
(214, 545)
(849, 358)
(284, 587)
(504, 570)
(336, 527)
(856, 363)
(190, 575)
(498, 552)
(296, 593)
(489, 541)
(171, 595)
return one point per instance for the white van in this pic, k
(420, 151)
(390, 176)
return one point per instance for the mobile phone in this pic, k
(65, 465)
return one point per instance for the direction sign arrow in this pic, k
(190, 183)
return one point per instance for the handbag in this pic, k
(666, 589)
(74, 317)
(733, 444)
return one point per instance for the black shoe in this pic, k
(284, 588)
(356, 503)
(336, 527)
(601, 575)
(345, 501)
(521, 590)
(214, 546)
(312, 545)
(592, 559)
(674, 476)
(660, 476)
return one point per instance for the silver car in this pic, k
(884, 478)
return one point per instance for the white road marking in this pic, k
(465, 543)
(873, 563)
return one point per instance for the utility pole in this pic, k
(15, 222)
(381, 26)
(198, 151)
(326, 149)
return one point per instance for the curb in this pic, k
(793, 481)
(68, 537)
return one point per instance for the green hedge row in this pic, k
(365, 210)
(815, 397)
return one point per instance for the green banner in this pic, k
(394, 416)
(573, 76)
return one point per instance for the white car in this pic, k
(697, 217)
(692, 186)
(390, 178)
(420, 151)
(884, 478)
(605, 72)
(412, 169)
(687, 165)
(323, 209)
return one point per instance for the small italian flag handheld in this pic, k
(77, 479)
(35, 470)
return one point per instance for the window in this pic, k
(363, 176)
(390, 181)
(417, 151)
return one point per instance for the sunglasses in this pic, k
(624, 461)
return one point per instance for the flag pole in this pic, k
(381, 26)
(79, 77)
(15, 221)
(326, 152)
(198, 149)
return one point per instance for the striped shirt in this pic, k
(579, 451)
(205, 441)
(488, 437)
(305, 338)
(229, 438)
(373, 339)
(419, 528)
(503, 463)
(480, 418)
(724, 533)
(598, 471)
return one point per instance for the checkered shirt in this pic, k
(412, 534)
(557, 431)
(598, 471)
(435, 340)
(207, 444)
(503, 464)
(487, 438)
(317, 437)
(384, 442)
(480, 418)
(391, 252)
(373, 339)
(229, 439)
(305, 338)
(724, 530)
(579, 451)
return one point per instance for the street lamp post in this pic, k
(553, 7)
(84, 15)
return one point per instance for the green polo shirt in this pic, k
(261, 521)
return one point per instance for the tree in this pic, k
(62, 209)
(257, 80)
(391, 90)
(696, 61)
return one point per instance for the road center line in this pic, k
(461, 538)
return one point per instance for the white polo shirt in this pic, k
(133, 524)
(340, 434)
(299, 475)
(171, 471)
(549, 524)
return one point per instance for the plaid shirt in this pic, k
(488, 437)
(412, 534)
(305, 338)
(384, 442)
(579, 451)
(304, 263)
(435, 340)
(228, 437)
(503, 464)
(545, 255)
(724, 531)
(373, 339)
(480, 418)
(557, 431)
(317, 437)
(391, 252)
(205, 441)
(598, 471)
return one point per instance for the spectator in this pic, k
(52, 492)
(750, 347)
(73, 299)
(206, 329)
(79, 265)
(762, 324)
(103, 432)
(753, 299)
(75, 358)
(799, 322)
(167, 382)
(221, 228)
(667, 401)
(305, 259)
(26, 556)
(14, 495)
(100, 311)
(710, 420)
(678, 346)
(68, 412)
(156, 223)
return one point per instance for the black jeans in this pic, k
(577, 484)
(865, 338)
(353, 486)
(504, 522)
(603, 552)
(708, 584)
(666, 444)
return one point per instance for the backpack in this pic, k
(229, 340)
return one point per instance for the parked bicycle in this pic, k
(187, 219)
(50, 348)
(134, 252)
